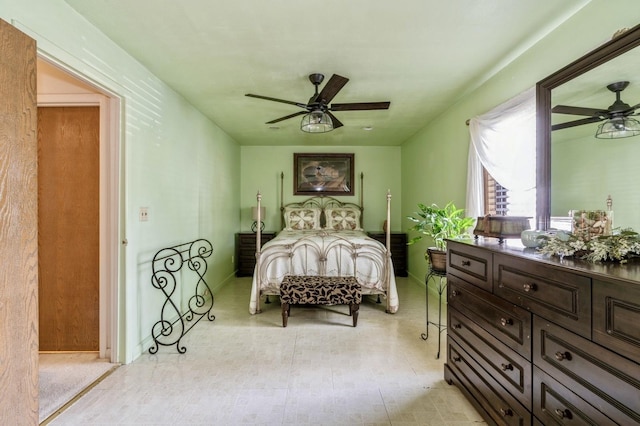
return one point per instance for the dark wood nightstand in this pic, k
(246, 251)
(398, 250)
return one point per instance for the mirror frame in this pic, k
(609, 50)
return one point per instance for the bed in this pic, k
(322, 236)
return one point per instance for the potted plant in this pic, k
(440, 224)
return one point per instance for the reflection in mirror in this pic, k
(584, 169)
(578, 171)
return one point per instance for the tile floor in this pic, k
(244, 369)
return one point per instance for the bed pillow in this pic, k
(299, 218)
(339, 219)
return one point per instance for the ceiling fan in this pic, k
(616, 111)
(319, 102)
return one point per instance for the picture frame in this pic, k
(323, 174)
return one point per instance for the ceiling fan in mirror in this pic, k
(318, 116)
(618, 124)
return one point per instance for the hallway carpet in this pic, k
(64, 375)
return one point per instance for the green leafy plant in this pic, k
(440, 224)
(619, 246)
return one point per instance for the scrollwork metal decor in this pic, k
(174, 323)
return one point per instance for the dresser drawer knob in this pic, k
(457, 359)
(455, 293)
(466, 263)
(506, 321)
(506, 367)
(529, 287)
(457, 326)
(561, 356)
(506, 412)
(563, 414)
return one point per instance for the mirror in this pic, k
(571, 180)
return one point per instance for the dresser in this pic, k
(246, 251)
(533, 340)
(398, 245)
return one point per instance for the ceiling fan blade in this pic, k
(580, 122)
(286, 117)
(336, 123)
(277, 100)
(589, 112)
(333, 86)
(356, 106)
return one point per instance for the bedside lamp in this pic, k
(254, 214)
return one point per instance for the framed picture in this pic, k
(329, 174)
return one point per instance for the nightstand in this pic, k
(246, 251)
(398, 250)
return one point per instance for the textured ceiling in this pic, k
(421, 55)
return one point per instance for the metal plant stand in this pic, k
(442, 286)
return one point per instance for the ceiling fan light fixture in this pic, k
(316, 122)
(618, 127)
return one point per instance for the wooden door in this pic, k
(68, 241)
(18, 229)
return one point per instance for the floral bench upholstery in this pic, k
(317, 290)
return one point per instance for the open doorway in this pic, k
(79, 244)
(58, 87)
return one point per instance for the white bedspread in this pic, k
(327, 253)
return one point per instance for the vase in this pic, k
(530, 238)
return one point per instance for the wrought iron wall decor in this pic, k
(166, 265)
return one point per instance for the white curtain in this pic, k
(504, 141)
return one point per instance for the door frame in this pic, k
(110, 196)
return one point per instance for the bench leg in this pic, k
(353, 311)
(285, 313)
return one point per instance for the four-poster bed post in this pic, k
(388, 242)
(258, 248)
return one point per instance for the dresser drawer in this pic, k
(559, 296)
(470, 263)
(616, 317)
(508, 323)
(498, 404)
(601, 377)
(507, 367)
(556, 405)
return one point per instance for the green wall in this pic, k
(262, 166)
(586, 170)
(434, 161)
(174, 161)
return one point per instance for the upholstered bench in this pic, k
(315, 290)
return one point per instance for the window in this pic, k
(501, 166)
(496, 196)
